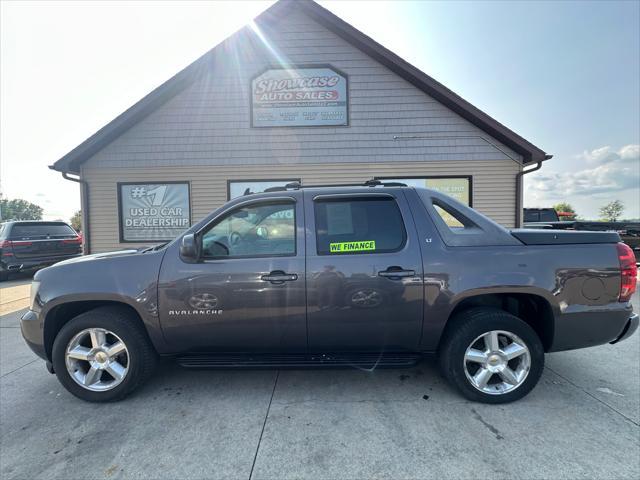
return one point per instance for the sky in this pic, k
(564, 75)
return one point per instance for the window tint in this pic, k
(530, 216)
(253, 231)
(448, 218)
(358, 225)
(41, 230)
(451, 217)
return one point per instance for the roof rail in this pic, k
(369, 183)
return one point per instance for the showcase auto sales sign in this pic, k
(299, 97)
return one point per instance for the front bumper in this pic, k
(629, 329)
(33, 334)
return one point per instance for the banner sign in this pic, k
(152, 212)
(299, 97)
(345, 247)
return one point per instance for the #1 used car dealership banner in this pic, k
(299, 97)
(153, 211)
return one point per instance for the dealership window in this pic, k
(153, 212)
(237, 188)
(358, 226)
(265, 229)
(456, 187)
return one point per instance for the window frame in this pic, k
(432, 177)
(327, 198)
(256, 202)
(249, 180)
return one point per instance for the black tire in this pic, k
(467, 326)
(142, 356)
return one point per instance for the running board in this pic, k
(364, 360)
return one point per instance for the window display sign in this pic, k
(151, 212)
(299, 97)
(456, 187)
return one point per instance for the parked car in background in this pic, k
(31, 245)
(366, 276)
(548, 218)
(540, 215)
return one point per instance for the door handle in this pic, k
(278, 276)
(396, 272)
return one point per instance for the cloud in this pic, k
(606, 154)
(608, 173)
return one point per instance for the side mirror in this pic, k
(189, 247)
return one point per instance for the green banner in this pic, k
(344, 247)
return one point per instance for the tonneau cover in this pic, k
(562, 237)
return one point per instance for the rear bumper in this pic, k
(12, 264)
(587, 327)
(629, 329)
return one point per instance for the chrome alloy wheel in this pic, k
(497, 362)
(97, 359)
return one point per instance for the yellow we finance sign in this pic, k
(344, 247)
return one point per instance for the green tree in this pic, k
(611, 211)
(18, 209)
(566, 208)
(76, 221)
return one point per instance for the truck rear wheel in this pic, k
(103, 355)
(491, 356)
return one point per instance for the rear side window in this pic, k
(358, 226)
(548, 216)
(30, 231)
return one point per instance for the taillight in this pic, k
(75, 241)
(14, 243)
(628, 272)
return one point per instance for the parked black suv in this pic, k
(30, 245)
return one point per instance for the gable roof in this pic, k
(71, 162)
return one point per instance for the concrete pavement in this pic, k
(582, 421)
(14, 294)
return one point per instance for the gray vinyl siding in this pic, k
(493, 186)
(209, 122)
(203, 135)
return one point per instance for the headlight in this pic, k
(35, 286)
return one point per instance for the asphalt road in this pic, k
(582, 421)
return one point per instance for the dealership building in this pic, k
(297, 95)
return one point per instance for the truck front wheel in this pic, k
(491, 356)
(102, 355)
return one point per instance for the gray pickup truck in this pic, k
(375, 275)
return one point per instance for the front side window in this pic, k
(358, 226)
(266, 229)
